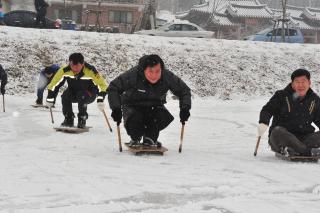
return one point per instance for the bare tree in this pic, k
(215, 5)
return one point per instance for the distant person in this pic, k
(1, 14)
(41, 9)
(4, 80)
(45, 77)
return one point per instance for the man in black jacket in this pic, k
(41, 9)
(140, 94)
(293, 109)
(4, 80)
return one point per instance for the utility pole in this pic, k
(284, 17)
(65, 9)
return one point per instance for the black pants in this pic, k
(281, 137)
(81, 97)
(146, 121)
(41, 18)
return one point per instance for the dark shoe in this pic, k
(149, 142)
(81, 122)
(134, 143)
(39, 101)
(289, 152)
(68, 122)
(315, 152)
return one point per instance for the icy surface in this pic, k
(46, 171)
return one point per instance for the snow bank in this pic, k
(221, 68)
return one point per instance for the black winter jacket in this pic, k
(290, 112)
(40, 5)
(133, 89)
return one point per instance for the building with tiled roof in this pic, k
(305, 19)
(233, 19)
(230, 19)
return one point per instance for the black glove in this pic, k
(3, 91)
(117, 115)
(184, 115)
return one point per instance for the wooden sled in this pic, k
(72, 130)
(298, 158)
(145, 150)
(39, 106)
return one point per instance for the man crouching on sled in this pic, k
(140, 94)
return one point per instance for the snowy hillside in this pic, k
(225, 69)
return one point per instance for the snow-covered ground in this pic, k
(45, 171)
(225, 69)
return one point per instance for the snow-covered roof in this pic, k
(165, 15)
(312, 13)
(220, 6)
(223, 20)
(181, 15)
(252, 11)
(302, 24)
(299, 16)
(294, 11)
(237, 8)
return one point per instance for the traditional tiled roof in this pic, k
(312, 13)
(223, 20)
(300, 16)
(252, 11)
(220, 6)
(303, 25)
(303, 18)
(234, 8)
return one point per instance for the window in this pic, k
(175, 27)
(292, 32)
(121, 17)
(278, 32)
(187, 27)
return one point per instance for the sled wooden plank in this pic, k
(298, 158)
(72, 130)
(39, 106)
(143, 150)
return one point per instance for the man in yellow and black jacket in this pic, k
(85, 84)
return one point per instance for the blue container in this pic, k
(68, 25)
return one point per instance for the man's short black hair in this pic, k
(150, 61)
(299, 73)
(76, 58)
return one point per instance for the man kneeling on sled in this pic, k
(293, 109)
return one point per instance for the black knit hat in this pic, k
(299, 73)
